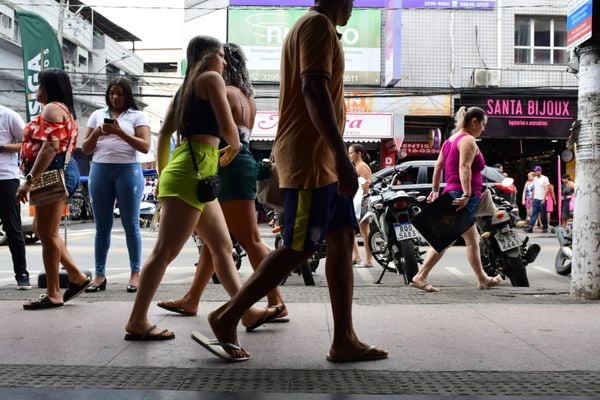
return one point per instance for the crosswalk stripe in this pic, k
(542, 269)
(455, 272)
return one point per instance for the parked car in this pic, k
(27, 224)
(417, 175)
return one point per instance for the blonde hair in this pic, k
(464, 115)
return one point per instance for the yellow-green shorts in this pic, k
(179, 179)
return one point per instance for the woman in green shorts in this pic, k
(237, 195)
(201, 115)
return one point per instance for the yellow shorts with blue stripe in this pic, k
(180, 179)
(309, 214)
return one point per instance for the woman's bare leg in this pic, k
(241, 219)
(177, 224)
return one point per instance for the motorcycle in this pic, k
(502, 250)
(308, 267)
(562, 262)
(392, 237)
(238, 253)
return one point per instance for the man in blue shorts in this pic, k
(318, 179)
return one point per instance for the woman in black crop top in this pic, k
(238, 191)
(177, 188)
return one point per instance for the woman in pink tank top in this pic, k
(462, 163)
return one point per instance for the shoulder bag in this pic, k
(207, 188)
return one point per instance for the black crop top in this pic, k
(200, 119)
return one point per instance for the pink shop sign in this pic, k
(358, 126)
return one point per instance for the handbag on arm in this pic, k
(267, 185)
(207, 188)
(50, 186)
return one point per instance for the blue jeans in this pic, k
(125, 184)
(471, 206)
(71, 172)
(536, 209)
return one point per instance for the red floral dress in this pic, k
(38, 131)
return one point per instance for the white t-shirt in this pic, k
(11, 131)
(539, 187)
(111, 149)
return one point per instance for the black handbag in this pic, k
(207, 188)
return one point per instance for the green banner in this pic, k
(40, 50)
(261, 31)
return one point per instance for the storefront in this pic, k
(374, 130)
(525, 130)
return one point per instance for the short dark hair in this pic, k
(567, 177)
(57, 87)
(124, 84)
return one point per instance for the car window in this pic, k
(491, 174)
(408, 176)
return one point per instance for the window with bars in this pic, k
(541, 40)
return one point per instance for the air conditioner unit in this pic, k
(486, 77)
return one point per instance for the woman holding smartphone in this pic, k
(115, 136)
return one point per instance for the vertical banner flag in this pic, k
(41, 50)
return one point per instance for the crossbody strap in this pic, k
(193, 157)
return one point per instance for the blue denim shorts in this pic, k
(471, 206)
(71, 172)
(309, 214)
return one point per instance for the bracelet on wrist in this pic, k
(435, 190)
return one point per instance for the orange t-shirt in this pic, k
(303, 158)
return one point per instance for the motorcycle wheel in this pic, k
(516, 272)
(411, 264)
(307, 275)
(562, 264)
(379, 249)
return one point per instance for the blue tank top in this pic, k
(200, 119)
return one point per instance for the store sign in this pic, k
(417, 149)
(359, 126)
(579, 22)
(302, 3)
(463, 4)
(261, 31)
(526, 117)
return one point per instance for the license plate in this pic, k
(507, 241)
(405, 231)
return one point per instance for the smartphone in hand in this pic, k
(109, 121)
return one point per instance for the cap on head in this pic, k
(537, 168)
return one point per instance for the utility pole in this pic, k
(585, 270)
(61, 18)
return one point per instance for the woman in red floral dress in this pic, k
(49, 139)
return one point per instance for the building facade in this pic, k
(430, 58)
(92, 51)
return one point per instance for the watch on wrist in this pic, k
(29, 179)
(2, 148)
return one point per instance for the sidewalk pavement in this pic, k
(459, 342)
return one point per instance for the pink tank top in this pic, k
(451, 167)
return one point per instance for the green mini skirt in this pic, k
(179, 179)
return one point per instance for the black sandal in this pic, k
(41, 303)
(74, 290)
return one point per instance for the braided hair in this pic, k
(235, 73)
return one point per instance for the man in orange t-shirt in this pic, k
(318, 180)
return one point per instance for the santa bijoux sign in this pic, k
(358, 126)
(523, 117)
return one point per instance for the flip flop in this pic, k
(74, 290)
(372, 353)
(170, 305)
(43, 302)
(266, 318)
(425, 286)
(281, 319)
(148, 337)
(218, 348)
